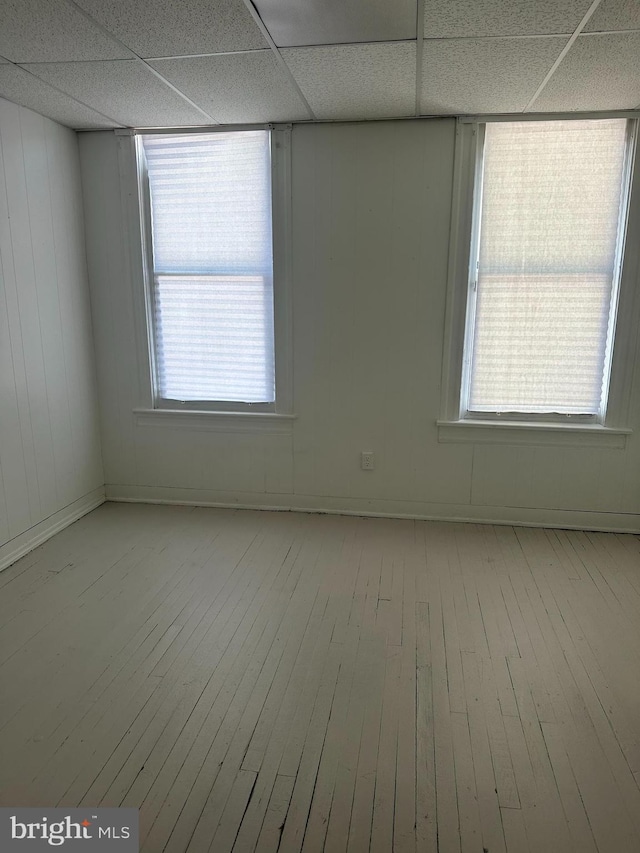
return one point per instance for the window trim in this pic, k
(136, 217)
(524, 427)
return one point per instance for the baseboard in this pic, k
(39, 533)
(519, 516)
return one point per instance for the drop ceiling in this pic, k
(170, 63)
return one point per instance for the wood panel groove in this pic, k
(49, 443)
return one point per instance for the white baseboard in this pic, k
(520, 516)
(39, 533)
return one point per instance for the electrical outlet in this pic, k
(367, 461)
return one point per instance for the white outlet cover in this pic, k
(367, 460)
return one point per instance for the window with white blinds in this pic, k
(549, 222)
(212, 299)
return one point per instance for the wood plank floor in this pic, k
(281, 681)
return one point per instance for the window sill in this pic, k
(532, 433)
(215, 421)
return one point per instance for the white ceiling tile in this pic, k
(243, 87)
(476, 18)
(600, 72)
(615, 15)
(125, 90)
(28, 91)
(52, 31)
(466, 76)
(293, 23)
(356, 81)
(176, 27)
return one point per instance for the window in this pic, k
(544, 256)
(211, 292)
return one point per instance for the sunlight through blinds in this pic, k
(551, 199)
(213, 266)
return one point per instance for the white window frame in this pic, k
(136, 215)
(456, 423)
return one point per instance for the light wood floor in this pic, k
(279, 681)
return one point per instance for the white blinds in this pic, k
(550, 213)
(212, 258)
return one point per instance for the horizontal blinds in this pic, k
(550, 212)
(212, 258)
(215, 337)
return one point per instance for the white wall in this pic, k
(50, 461)
(371, 210)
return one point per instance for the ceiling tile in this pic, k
(356, 81)
(303, 22)
(125, 90)
(25, 89)
(243, 87)
(176, 27)
(466, 76)
(476, 18)
(600, 72)
(52, 31)
(615, 15)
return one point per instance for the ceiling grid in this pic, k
(155, 63)
(149, 68)
(254, 13)
(583, 23)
